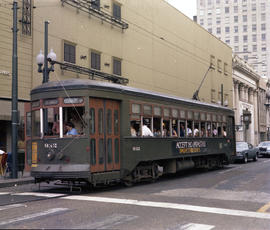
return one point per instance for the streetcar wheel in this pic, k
(128, 183)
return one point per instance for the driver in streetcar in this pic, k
(71, 129)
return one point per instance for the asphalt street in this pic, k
(235, 197)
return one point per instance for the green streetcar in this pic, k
(110, 143)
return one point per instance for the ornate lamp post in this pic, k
(246, 117)
(43, 59)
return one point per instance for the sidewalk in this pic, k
(22, 179)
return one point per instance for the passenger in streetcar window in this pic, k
(215, 132)
(71, 129)
(55, 128)
(224, 132)
(146, 131)
(132, 130)
(182, 130)
(196, 132)
(157, 133)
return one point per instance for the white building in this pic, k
(242, 24)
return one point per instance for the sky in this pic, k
(188, 7)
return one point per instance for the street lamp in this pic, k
(246, 117)
(43, 59)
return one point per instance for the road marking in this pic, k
(4, 193)
(229, 170)
(109, 222)
(32, 216)
(11, 206)
(264, 208)
(266, 161)
(49, 195)
(221, 211)
(192, 226)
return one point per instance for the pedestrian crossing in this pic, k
(117, 219)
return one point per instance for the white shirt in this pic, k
(1, 151)
(146, 131)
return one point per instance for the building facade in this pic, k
(242, 24)
(246, 101)
(137, 41)
(25, 60)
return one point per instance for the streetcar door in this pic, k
(104, 135)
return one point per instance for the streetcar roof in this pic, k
(75, 84)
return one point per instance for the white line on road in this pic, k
(49, 195)
(11, 206)
(32, 216)
(4, 193)
(192, 226)
(221, 211)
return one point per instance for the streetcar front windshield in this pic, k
(58, 121)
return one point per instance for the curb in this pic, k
(15, 182)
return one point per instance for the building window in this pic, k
(95, 4)
(69, 53)
(235, 9)
(263, 6)
(218, 20)
(117, 66)
(26, 17)
(218, 30)
(245, 48)
(95, 60)
(209, 2)
(227, 10)
(254, 28)
(217, 10)
(236, 29)
(209, 12)
(236, 49)
(245, 38)
(244, 18)
(227, 29)
(235, 18)
(244, 28)
(227, 41)
(217, 1)
(219, 63)
(253, 7)
(236, 39)
(210, 30)
(264, 48)
(209, 21)
(263, 17)
(254, 17)
(263, 27)
(254, 48)
(117, 11)
(263, 37)
(201, 22)
(254, 37)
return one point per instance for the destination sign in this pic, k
(184, 147)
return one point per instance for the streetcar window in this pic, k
(116, 122)
(189, 128)
(214, 129)
(166, 128)
(209, 129)
(203, 129)
(50, 102)
(92, 121)
(109, 150)
(36, 123)
(109, 121)
(51, 121)
(75, 115)
(136, 108)
(135, 128)
(224, 130)
(101, 151)
(182, 128)
(147, 109)
(174, 113)
(157, 111)
(116, 150)
(157, 126)
(175, 128)
(196, 132)
(35, 104)
(93, 151)
(183, 114)
(100, 121)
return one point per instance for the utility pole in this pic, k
(14, 115)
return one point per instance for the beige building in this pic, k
(25, 41)
(137, 40)
(149, 43)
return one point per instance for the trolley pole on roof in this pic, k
(14, 114)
